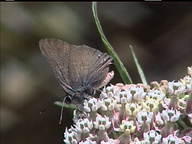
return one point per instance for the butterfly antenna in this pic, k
(61, 114)
(41, 112)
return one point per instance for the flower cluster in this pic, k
(136, 114)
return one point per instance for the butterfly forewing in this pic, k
(57, 54)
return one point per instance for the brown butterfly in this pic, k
(80, 70)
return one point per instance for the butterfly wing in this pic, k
(90, 66)
(75, 67)
(57, 54)
(100, 69)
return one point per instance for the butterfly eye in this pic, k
(89, 90)
(68, 99)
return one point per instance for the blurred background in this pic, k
(160, 33)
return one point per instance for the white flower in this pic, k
(158, 119)
(123, 97)
(70, 136)
(135, 114)
(171, 139)
(132, 109)
(176, 88)
(155, 94)
(144, 117)
(107, 104)
(109, 141)
(127, 127)
(152, 137)
(137, 92)
(189, 71)
(91, 105)
(102, 123)
(83, 125)
(88, 141)
(170, 115)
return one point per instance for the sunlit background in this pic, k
(160, 33)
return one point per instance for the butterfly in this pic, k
(80, 70)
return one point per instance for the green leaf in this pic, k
(140, 71)
(64, 105)
(119, 65)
